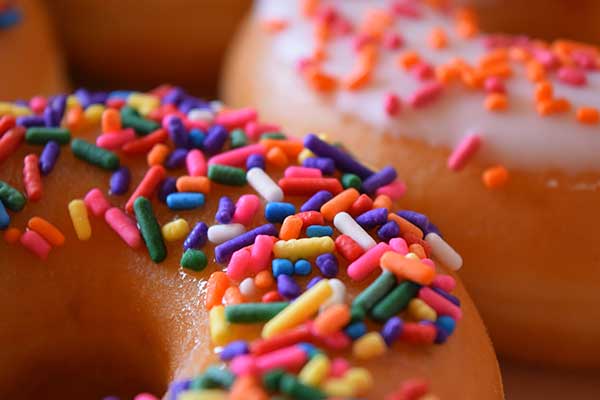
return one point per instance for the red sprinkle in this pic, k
(31, 177)
(309, 186)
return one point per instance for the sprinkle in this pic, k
(215, 289)
(123, 226)
(197, 237)
(222, 233)
(316, 201)
(302, 267)
(287, 287)
(144, 144)
(111, 120)
(291, 228)
(392, 330)
(36, 244)
(185, 201)
(176, 159)
(194, 184)
(588, 115)
(381, 178)
(348, 226)
(4, 217)
(295, 249)
(96, 202)
(394, 302)
(377, 290)
(196, 163)
(382, 201)
(238, 157)
(147, 186)
(194, 260)
(131, 119)
(420, 311)
(441, 305)
(282, 266)
(315, 371)
(343, 161)
(94, 155)
(309, 186)
(319, 231)
(264, 185)
(276, 212)
(227, 175)
(324, 164)
(158, 155)
(115, 140)
(11, 235)
(331, 320)
(119, 181)
(11, 197)
(394, 190)
(31, 177)
(245, 209)
(224, 251)
(495, 177)
(392, 104)
(444, 252)
(48, 231)
(369, 346)
(80, 220)
(175, 230)
(255, 161)
(425, 95)
(348, 248)
(238, 138)
(465, 150)
(215, 139)
(49, 157)
(177, 132)
(225, 211)
(388, 231)
(496, 102)
(368, 262)
(10, 142)
(328, 265)
(572, 76)
(372, 218)
(43, 135)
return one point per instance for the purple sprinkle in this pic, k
(392, 330)
(379, 179)
(328, 265)
(441, 336)
(372, 218)
(325, 164)
(176, 159)
(420, 220)
(174, 96)
(224, 251)
(316, 201)
(29, 121)
(49, 156)
(50, 117)
(313, 282)
(178, 387)
(215, 139)
(452, 299)
(59, 105)
(119, 181)
(167, 186)
(287, 287)
(234, 349)
(343, 161)
(84, 97)
(225, 210)
(388, 231)
(255, 161)
(197, 237)
(177, 132)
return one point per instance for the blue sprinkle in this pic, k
(119, 181)
(302, 267)
(277, 211)
(287, 287)
(316, 201)
(392, 330)
(309, 349)
(166, 187)
(197, 237)
(176, 159)
(255, 161)
(10, 17)
(356, 330)
(388, 231)
(4, 217)
(185, 201)
(319, 231)
(197, 138)
(328, 265)
(282, 266)
(234, 349)
(446, 323)
(372, 218)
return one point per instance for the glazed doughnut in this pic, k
(25, 72)
(502, 130)
(99, 298)
(177, 41)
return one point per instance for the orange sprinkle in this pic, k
(383, 201)
(588, 115)
(274, 25)
(407, 268)
(357, 79)
(232, 295)
(501, 70)
(333, 319)
(535, 71)
(496, 102)
(246, 387)
(320, 81)
(309, 7)
(418, 250)
(48, 231)
(472, 78)
(375, 23)
(519, 54)
(544, 91)
(196, 184)
(264, 280)
(467, 24)
(339, 203)
(553, 106)
(290, 147)
(75, 118)
(158, 154)
(446, 73)
(495, 177)
(494, 57)
(276, 157)
(408, 59)
(406, 227)
(438, 39)
(215, 289)
(111, 120)
(291, 228)
(12, 235)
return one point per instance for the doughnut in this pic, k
(25, 72)
(156, 243)
(501, 129)
(177, 41)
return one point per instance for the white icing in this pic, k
(517, 137)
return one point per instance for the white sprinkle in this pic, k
(338, 296)
(247, 288)
(264, 185)
(348, 226)
(216, 106)
(218, 234)
(200, 114)
(444, 252)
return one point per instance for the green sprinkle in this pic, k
(291, 386)
(94, 155)
(273, 135)
(213, 377)
(238, 138)
(227, 175)
(249, 313)
(351, 181)
(11, 197)
(193, 259)
(375, 291)
(394, 302)
(42, 135)
(357, 313)
(131, 119)
(272, 378)
(150, 229)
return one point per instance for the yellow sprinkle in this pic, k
(205, 394)
(143, 103)
(72, 101)
(295, 249)
(93, 113)
(220, 332)
(420, 310)
(304, 154)
(338, 387)
(360, 379)
(368, 346)
(300, 310)
(20, 111)
(79, 217)
(315, 371)
(175, 230)
(5, 108)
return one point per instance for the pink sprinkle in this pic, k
(239, 265)
(425, 95)
(245, 209)
(261, 253)
(572, 76)
(493, 84)
(237, 157)
(195, 163)
(327, 14)
(406, 9)
(439, 303)
(289, 358)
(422, 71)
(464, 151)
(236, 118)
(115, 103)
(202, 125)
(302, 172)
(429, 262)
(584, 60)
(145, 396)
(362, 267)
(392, 41)
(547, 58)
(361, 40)
(124, 226)
(36, 244)
(399, 245)
(392, 104)
(342, 26)
(37, 104)
(339, 367)
(304, 63)
(96, 202)
(115, 140)
(444, 282)
(394, 190)
(254, 129)
(243, 365)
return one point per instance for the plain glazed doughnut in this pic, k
(502, 130)
(31, 59)
(95, 300)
